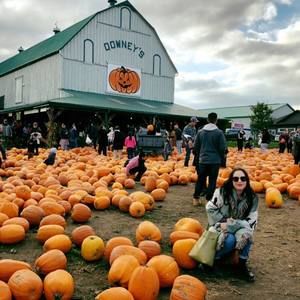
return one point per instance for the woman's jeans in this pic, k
(229, 246)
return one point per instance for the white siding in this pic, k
(105, 28)
(41, 82)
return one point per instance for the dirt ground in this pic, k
(274, 258)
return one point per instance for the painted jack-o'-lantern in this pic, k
(124, 80)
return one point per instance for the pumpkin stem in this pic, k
(57, 297)
(123, 69)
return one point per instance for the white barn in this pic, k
(111, 61)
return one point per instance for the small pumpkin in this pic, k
(33, 214)
(54, 219)
(47, 231)
(151, 248)
(130, 250)
(273, 198)
(114, 242)
(137, 209)
(19, 221)
(147, 231)
(81, 213)
(60, 241)
(158, 194)
(11, 234)
(80, 233)
(92, 248)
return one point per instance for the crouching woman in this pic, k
(233, 212)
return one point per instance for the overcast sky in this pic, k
(227, 52)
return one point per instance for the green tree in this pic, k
(261, 117)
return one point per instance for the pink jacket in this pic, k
(130, 143)
(133, 163)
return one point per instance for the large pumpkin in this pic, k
(147, 231)
(124, 80)
(81, 213)
(166, 268)
(273, 198)
(130, 250)
(33, 214)
(60, 241)
(5, 291)
(189, 224)
(47, 231)
(25, 285)
(114, 242)
(80, 233)
(121, 270)
(144, 283)
(50, 261)
(10, 266)
(151, 248)
(59, 284)
(11, 234)
(188, 287)
(181, 250)
(118, 293)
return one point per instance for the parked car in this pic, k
(232, 133)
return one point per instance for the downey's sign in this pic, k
(123, 44)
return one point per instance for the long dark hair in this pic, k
(228, 187)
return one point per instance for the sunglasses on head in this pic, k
(242, 178)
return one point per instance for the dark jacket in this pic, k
(102, 137)
(118, 140)
(210, 145)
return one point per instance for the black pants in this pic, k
(141, 169)
(240, 144)
(102, 149)
(130, 152)
(281, 147)
(211, 171)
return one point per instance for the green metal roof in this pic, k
(43, 49)
(56, 42)
(235, 111)
(84, 100)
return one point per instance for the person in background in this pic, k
(130, 144)
(51, 157)
(178, 135)
(240, 139)
(73, 140)
(283, 141)
(233, 212)
(118, 143)
(136, 165)
(3, 154)
(34, 140)
(102, 141)
(110, 136)
(7, 134)
(63, 137)
(93, 134)
(210, 150)
(188, 136)
(296, 147)
(289, 144)
(265, 140)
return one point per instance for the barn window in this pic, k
(19, 89)
(125, 16)
(88, 51)
(156, 65)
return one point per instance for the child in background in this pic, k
(130, 144)
(51, 157)
(136, 165)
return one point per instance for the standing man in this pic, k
(188, 136)
(296, 147)
(178, 136)
(210, 148)
(240, 139)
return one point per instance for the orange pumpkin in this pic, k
(54, 219)
(23, 191)
(144, 283)
(188, 287)
(147, 231)
(130, 250)
(101, 202)
(3, 218)
(119, 293)
(25, 284)
(59, 284)
(121, 270)
(5, 291)
(11, 234)
(114, 242)
(80, 233)
(60, 241)
(50, 261)
(33, 214)
(81, 213)
(189, 224)
(124, 80)
(181, 235)
(151, 248)
(137, 209)
(273, 198)
(150, 184)
(181, 250)
(19, 221)
(166, 268)
(9, 208)
(10, 266)
(47, 231)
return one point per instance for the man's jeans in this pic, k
(229, 246)
(211, 171)
(179, 146)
